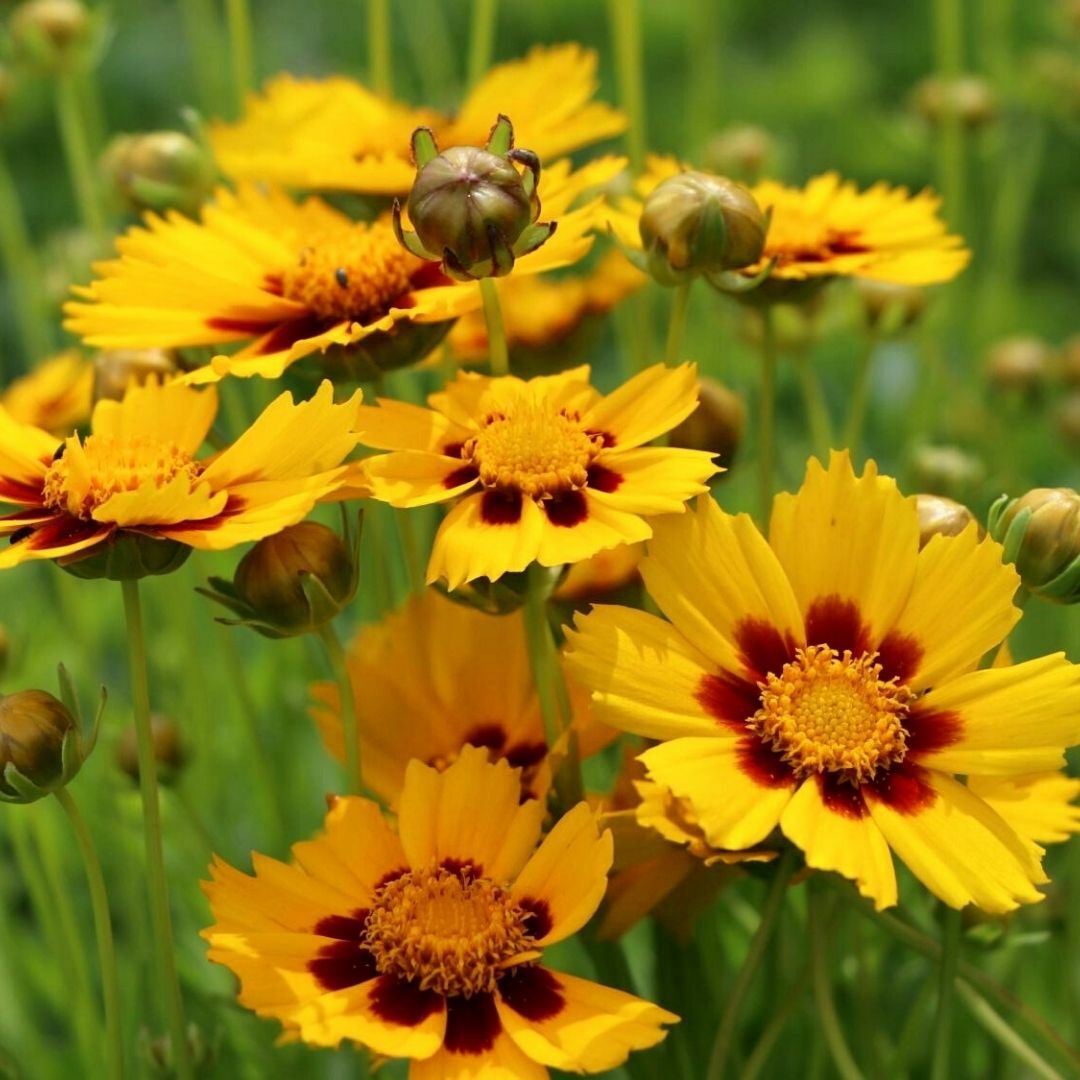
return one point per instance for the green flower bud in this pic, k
(116, 369)
(33, 727)
(48, 32)
(1068, 419)
(128, 556)
(742, 151)
(939, 516)
(967, 97)
(716, 425)
(291, 583)
(1019, 364)
(888, 306)
(159, 170)
(168, 749)
(695, 224)
(947, 470)
(473, 210)
(1040, 532)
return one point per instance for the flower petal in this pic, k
(408, 478)
(645, 406)
(654, 479)
(170, 414)
(1039, 806)
(500, 1061)
(397, 425)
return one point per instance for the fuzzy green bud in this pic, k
(33, 727)
(742, 150)
(967, 97)
(694, 223)
(1040, 532)
(1019, 364)
(48, 32)
(158, 170)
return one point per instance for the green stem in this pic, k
(496, 330)
(826, 1007)
(624, 18)
(410, 542)
(481, 39)
(766, 413)
(203, 35)
(380, 71)
(79, 157)
(759, 1056)
(1005, 1034)
(817, 411)
(23, 271)
(948, 52)
(770, 916)
(950, 956)
(99, 900)
(551, 686)
(161, 920)
(860, 395)
(238, 17)
(340, 666)
(677, 323)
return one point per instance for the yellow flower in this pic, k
(420, 693)
(56, 395)
(540, 312)
(551, 471)
(137, 474)
(292, 279)
(425, 943)
(336, 134)
(826, 681)
(602, 574)
(831, 229)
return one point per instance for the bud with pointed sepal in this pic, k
(159, 170)
(1040, 533)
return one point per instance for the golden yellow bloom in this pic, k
(292, 279)
(601, 574)
(137, 474)
(425, 943)
(831, 229)
(336, 134)
(421, 693)
(542, 312)
(825, 681)
(551, 471)
(56, 395)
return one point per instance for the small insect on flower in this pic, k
(426, 942)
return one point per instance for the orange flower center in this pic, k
(89, 473)
(447, 931)
(533, 448)
(355, 272)
(828, 712)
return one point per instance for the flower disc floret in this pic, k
(832, 712)
(446, 931)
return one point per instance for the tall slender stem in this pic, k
(551, 686)
(817, 409)
(781, 1014)
(161, 920)
(481, 39)
(766, 413)
(680, 301)
(241, 49)
(1005, 1033)
(99, 901)
(770, 916)
(340, 666)
(380, 70)
(496, 330)
(822, 976)
(203, 35)
(79, 157)
(949, 58)
(860, 394)
(624, 17)
(950, 956)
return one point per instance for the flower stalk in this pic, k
(339, 665)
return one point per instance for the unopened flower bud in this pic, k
(473, 209)
(889, 306)
(939, 516)
(159, 170)
(1068, 419)
(741, 151)
(1040, 532)
(694, 223)
(291, 583)
(165, 740)
(1070, 360)
(947, 470)
(965, 96)
(601, 575)
(47, 32)
(1021, 364)
(116, 369)
(33, 727)
(716, 425)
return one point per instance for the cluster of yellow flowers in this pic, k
(829, 691)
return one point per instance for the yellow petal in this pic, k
(397, 425)
(406, 478)
(1039, 806)
(652, 402)
(655, 480)
(167, 414)
(502, 1061)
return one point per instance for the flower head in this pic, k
(425, 943)
(336, 134)
(133, 496)
(480, 693)
(551, 471)
(56, 395)
(826, 681)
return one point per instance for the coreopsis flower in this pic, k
(135, 493)
(601, 574)
(830, 229)
(426, 942)
(55, 395)
(545, 470)
(826, 681)
(335, 134)
(293, 279)
(408, 706)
